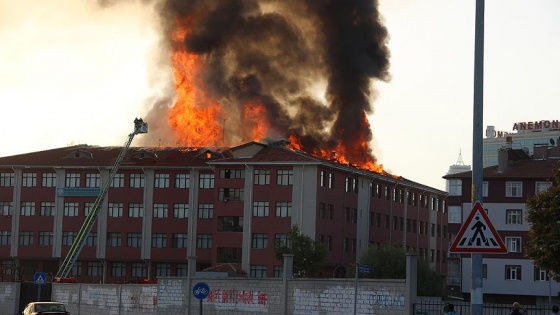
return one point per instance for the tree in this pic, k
(389, 262)
(543, 213)
(308, 253)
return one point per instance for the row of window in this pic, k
(513, 272)
(161, 180)
(402, 196)
(511, 217)
(513, 188)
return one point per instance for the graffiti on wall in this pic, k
(232, 299)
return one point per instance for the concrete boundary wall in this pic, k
(9, 298)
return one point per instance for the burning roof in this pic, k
(294, 69)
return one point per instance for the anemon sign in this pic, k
(528, 126)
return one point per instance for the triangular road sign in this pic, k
(478, 235)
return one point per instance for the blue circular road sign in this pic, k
(201, 290)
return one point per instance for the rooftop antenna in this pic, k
(460, 159)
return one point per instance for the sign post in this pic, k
(39, 278)
(201, 291)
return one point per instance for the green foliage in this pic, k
(389, 262)
(544, 234)
(308, 253)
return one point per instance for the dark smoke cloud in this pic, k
(276, 51)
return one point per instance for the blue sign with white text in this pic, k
(40, 278)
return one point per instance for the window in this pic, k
(323, 179)
(5, 238)
(72, 180)
(513, 272)
(47, 209)
(118, 181)
(232, 173)
(68, 238)
(135, 210)
(206, 181)
(88, 206)
(159, 240)
(180, 240)
(484, 189)
(5, 208)
(93, 180)
(514, 189)
(205, 211)
(134, 239)
(259, 241)
(230, 224)
(513, 244)
(71, 209)
(8, 267)
(455, 187)
(230, 194)
(95, 269)
(113, 239)
(76, 269)
(48, 180)
(329, 243)
(26, 238)
(29, 180)
(161, 180)
(181, 210)
(27, 208)
(115, 210)
(136, 180)
(260, 209)
(262, 177)
(283, 209)
(541, 274)
(163, 270)
(181, 270)
(91, 239)
(542, 186)
(484, 271)
(7, 179)
(330, 210)
(454, 214)
(278, 272)
(284, 177)
(160, 210)
(331, 180)
(281, 239)
(514, 216)
(139, 270)
(182, 180)
(258, 271)
(45, 238)
(118, 269)
(322, 210)
(204, 241)
(229, 255)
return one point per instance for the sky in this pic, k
(74, 73)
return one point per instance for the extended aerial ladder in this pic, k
(139, 127)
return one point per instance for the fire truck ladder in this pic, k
(139, 127)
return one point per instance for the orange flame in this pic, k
(254, 117)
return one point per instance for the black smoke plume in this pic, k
(282, 52)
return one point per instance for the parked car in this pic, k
(45, 308)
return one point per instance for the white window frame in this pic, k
(29, 180)
(71, 209)
(72, 180)
(514, 189)
(455, 187)
(514, 216)
(513, 272)
(542, 186)
(182, 180)
(118, 181)
(260, 208)
(27, 208)
(181, 210)
(485, 189)
(135, 210)
(47, 209)
(160, 210)
(513, 244)
(284, 177)
(137, 180)
(161, 180)
(7, 179)
(93, 180)
(206, 181)
(262, 177)
(283, 209)
(48, 179)
(115, 210)
(205, 211)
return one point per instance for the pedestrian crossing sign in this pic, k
(478, 235)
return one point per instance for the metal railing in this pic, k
(464, 308)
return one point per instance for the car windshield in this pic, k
(49, 307)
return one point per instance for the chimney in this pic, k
(503, 158)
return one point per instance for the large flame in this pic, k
(198, 120)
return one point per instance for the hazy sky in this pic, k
(73, 73)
